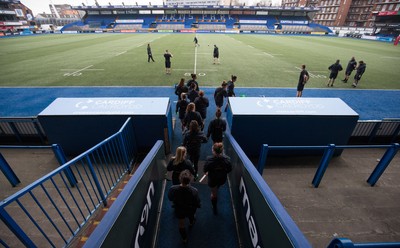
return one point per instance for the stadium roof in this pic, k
(202, 7)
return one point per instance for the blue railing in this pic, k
(347, 243)
(52, 210)
(329, 151)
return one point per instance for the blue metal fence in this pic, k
(52, 210)
(347, 243)
(329, 150)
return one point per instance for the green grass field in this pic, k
(257, 60)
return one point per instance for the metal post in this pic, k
(62, 159)
(96, 181)
(15, 228)
(123, 148)
(263, 158)
(323, 165)
(8, 172)
(383, 164)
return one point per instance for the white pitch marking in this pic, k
(268, 54)
(190, 69)
(75, 73)
(120, 53)
(387, 57)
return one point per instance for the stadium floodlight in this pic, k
(83, 4)
(136, 4)
(123, 4)
(149, 3)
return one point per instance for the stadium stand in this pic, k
(204, 19)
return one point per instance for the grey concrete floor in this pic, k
(344, 204)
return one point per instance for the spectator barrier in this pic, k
(347, 243)
(329, 150)
(132, 220)
(57, 211)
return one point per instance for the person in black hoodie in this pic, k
(220, 93)
(179, 163)
(186, 201)
(217, 168)
(181, 107)
(334, 68)
(192, 114)
(217, 127)
(193, 92)
(351, 66)
(202, 104)
(181, 88)
(192, 141)
(193, 81)
(360, 71)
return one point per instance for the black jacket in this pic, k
(178, 168)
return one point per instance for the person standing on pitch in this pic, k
(149, 54)
(216, 55)
(302, 81)
(360, 71)
(185, 199)
(196, 41)
(217, 168)
(334, 68)
(351, 66)
(168, 56)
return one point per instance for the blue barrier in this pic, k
(8, 172)
(262, 220)
(132, 219)
(347, 243)
(383, 164)
(327, 156)
(57, 211)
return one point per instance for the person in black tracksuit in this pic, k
(149, 54)
(202, 103)
(360, 71)
(193, 92)
(231, 89)
(217, 127)
(178, 164)
(231, 86)
(181, 88)
(192, 114)
(217, 168)
(334, 68)
(181, 107)
(216, 54)
(186, 201)
(219, 94)
(193, 81)
(192, 141)
(351, 66)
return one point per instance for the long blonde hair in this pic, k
(180, 155)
